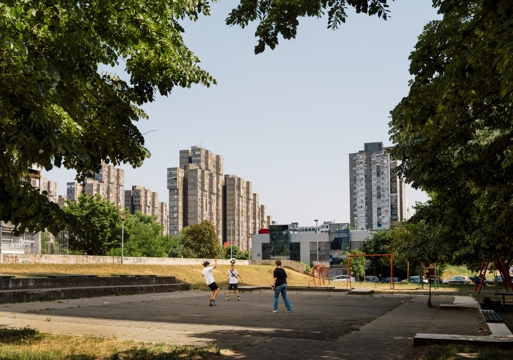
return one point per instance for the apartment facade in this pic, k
(147, 202)
(51, 189)
(199, 190)
(377, 194)
(109, 182)
(196, 190)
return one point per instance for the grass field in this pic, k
(252, 275)
(257, 275)
(29, 344)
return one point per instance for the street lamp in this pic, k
(317, 236)
(231, 240)
(123, 216)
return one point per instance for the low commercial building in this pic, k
(309, 247)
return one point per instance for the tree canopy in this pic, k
(281, 17)
(378, 244)
(58, 109)
(357, 264)
(200, 241)
(95, 226)
(143, 237)
(453, 132)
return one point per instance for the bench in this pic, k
(7, 276)
(504, 294)
(491, 316)
(134, 275)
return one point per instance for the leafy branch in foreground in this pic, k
(57, 109)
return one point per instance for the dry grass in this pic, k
(26, 343)
(259, 275)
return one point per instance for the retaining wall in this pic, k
(87, 259)
(64, 282)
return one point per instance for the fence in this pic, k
(58, 245)
(26, 243)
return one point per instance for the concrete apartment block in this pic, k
(164, 218)
(198, 191)
(61, 201)
(73, 190)
(256, 215)
(147, 202)
(178, 207)
(51, 189)
(398, 198)
(195, 190)
(109, 182)
(377, 194)
(128, 200)
(33, 176)
(155, 205)
(239, 210)
(92, 187)
(250, 219)
(263, 218)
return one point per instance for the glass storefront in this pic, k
(295, 251)
(339, 236)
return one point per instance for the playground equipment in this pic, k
(319, 273)
(499, 265)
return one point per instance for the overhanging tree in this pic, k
(453, 132)
(57, 109)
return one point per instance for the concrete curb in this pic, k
(17, 296)
(501, 336)
(294, 288)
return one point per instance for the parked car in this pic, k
(342, 278)
(370, 279)
(492, 281)
(416, 279)
(457, 279)
(387, 279)
(477, 280)
(335, 260)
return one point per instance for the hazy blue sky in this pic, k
(285, 119)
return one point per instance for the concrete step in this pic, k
(73, 282)
(28, 295)
(361, 292)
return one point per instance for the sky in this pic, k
(287, 119)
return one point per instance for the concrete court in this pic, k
(331, 325)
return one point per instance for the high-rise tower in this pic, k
(377, 194)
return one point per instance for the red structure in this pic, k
(390, 258)
(319, 273)
(499, 265)
(264, 231)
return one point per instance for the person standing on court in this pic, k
(233, 282)
(209, 278)
(280, 287)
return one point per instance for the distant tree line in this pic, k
(94, 227)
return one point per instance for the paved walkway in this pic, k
(327, 325)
